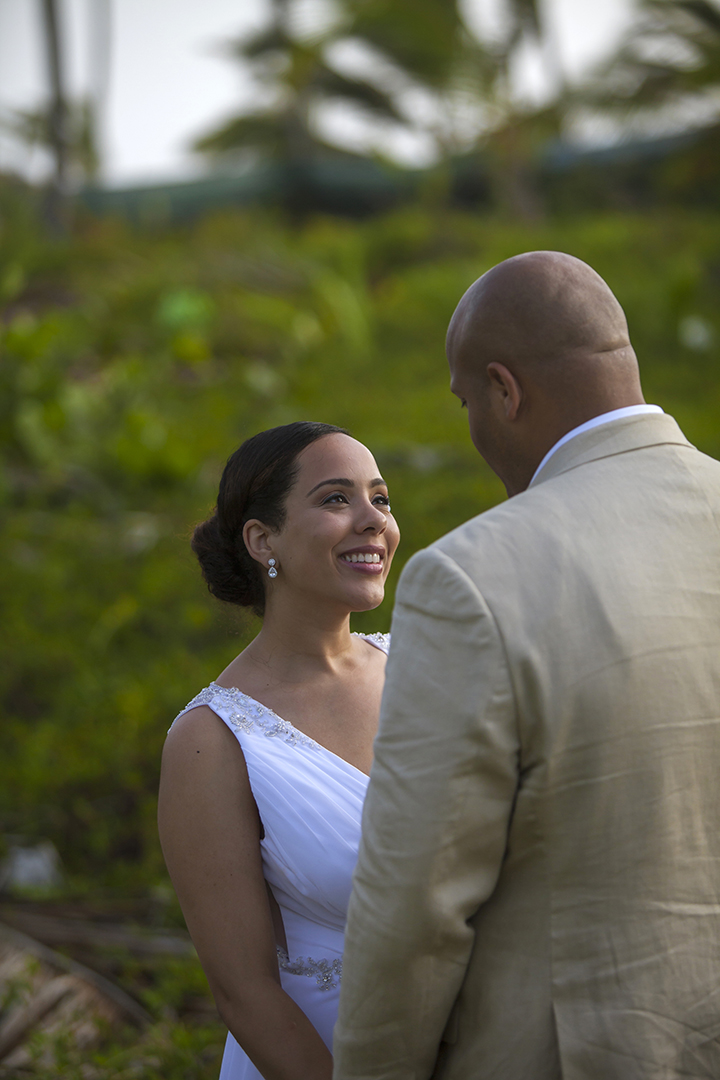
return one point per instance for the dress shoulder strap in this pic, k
(244, 713)
(380, 641)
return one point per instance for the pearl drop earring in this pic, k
(272, 572)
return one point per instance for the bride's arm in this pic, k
(209, 831)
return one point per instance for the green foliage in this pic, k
(166, 1051)
(131, 365)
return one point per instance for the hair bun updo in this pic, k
(228, 576)
(255, 484)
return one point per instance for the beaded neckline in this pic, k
(380, 641)
(248, 714)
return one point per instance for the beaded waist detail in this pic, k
(327, 973)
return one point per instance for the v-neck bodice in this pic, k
(310, 803)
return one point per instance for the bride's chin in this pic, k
(362, 594)
(370, 602)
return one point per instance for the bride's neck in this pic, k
(294, 643)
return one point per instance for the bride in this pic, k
(264, 773)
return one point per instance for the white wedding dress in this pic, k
(310, 803)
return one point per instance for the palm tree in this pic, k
(421, 38)
(420, 45)
(426, 71)
(515, 134)
(68, 129)
(295, 78)
(74, 150)
(666, 73)
(57, 132)
(430, 44)
(435, 70)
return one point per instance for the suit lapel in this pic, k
(615, 437)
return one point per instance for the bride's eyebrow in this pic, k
(341, 481)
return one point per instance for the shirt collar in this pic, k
(604, 418)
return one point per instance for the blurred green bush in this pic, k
(132, 363)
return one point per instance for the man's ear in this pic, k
(505, 390)
(257, 539)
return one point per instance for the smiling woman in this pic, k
(260, 834)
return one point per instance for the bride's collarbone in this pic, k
(331, 709)
(343, 722)
(332, 703)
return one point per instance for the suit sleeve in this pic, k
(435, 824)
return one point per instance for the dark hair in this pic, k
(255, 484)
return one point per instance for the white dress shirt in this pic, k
(603, 418)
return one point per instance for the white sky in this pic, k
(168, 81)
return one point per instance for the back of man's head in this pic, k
(538, 345)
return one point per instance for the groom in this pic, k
(538, 890)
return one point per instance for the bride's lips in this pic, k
(368, 559)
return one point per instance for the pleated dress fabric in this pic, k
(310, 803)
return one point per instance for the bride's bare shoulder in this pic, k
(200, 739)
(203, 770)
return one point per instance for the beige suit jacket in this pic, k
(538, 889)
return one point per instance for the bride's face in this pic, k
(339, 534)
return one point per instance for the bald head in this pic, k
(543, 308)
(549, 323)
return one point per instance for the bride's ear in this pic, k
(257, 540)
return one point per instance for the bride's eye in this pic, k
(382, 500)
(336, 496)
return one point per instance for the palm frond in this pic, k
(419, 36)
(255, 131)
(34, 128)
(703, 10)
(672, 51)
(524, 18)
(271, 40)
(333, 84)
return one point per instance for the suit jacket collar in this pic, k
(616, 437)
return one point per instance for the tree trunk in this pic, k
(57, 116)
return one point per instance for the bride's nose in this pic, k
(372, 518)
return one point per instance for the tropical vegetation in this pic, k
(133, 360)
